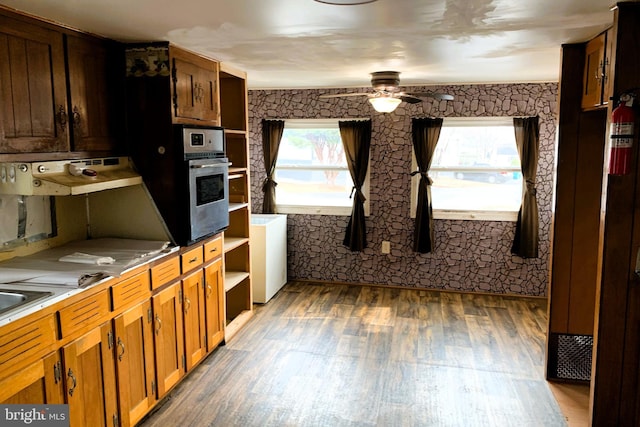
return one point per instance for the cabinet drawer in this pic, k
(165, 272)
(26, 343)
(84, 314)
(132, 290)
(213, 249)
(191, 259)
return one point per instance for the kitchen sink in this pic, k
(10, 299)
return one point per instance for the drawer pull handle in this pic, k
(158, 324)
(121, 345)
(74, 382)
(192, 260)
(213, 250)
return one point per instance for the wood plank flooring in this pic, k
(337, 355)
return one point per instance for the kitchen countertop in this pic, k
(61, 291)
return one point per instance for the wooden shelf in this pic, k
(234, 325)
(231, 243)
(237, 206)
(233, 279)
(237, 260)
(235, 171)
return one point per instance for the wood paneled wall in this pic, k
(615, 397)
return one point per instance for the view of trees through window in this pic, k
(311, 168)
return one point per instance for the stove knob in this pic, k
(42, 169)
(12, 173)
(3, 174)
(23, 168)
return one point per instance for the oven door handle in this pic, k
(210, 165)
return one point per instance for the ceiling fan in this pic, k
(387, 93)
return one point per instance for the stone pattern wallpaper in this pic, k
(468, 255)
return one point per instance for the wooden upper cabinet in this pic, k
(596, 79)
(34, 116)
(60, 90)
(195, 87)
(95, 93)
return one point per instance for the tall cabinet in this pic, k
(595, 293)
(237, 262)
(167, 85)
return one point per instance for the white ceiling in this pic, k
(306, 44)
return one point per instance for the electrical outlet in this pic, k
(386, 247)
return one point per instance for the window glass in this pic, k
(475, 170)
(311, 170)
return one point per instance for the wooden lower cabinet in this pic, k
(134, 363)
(168, 337)
(39, 383)
(214, 303)
(194, 318)
(90, 379)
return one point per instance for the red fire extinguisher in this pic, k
(621, 136)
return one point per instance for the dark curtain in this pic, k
(271, 135)
(356, 139)
(425, 133)
(525, 243)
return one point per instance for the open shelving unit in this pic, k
(237, 260)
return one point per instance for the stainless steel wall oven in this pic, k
(189, 181)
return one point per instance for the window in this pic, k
(475, 170)
(311, 170)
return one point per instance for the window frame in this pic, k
(321, 209)
(466, 214)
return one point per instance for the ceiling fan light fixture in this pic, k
(384, 104)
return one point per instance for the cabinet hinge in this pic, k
(180, 296)
(57, 372)
(110, 339)
(174, 78)
(153, 387)
(116, 421)
(184, 362)
(149, 316)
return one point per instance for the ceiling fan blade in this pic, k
(410, 99)
(440, 96)
(340, 95)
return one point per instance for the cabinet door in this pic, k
(168, 338)
(194, 326)
(95, 93)
(39, 383)
(33, 91)
(134, 362)
(214, 303)
(593, 72)
(195, 90)
(90, 379)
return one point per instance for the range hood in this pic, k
(67, 177)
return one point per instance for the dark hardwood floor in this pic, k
(338, 355)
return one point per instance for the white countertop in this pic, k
(62, 291)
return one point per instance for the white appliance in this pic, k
(268, 255)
